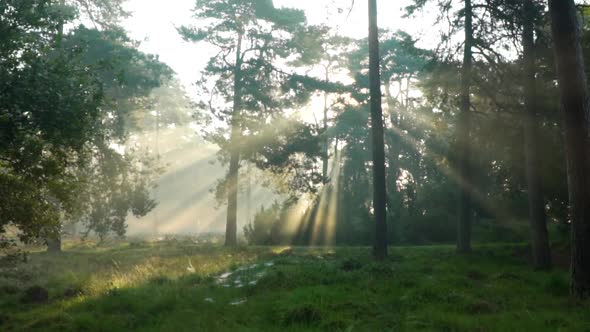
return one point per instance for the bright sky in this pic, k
(153, 22)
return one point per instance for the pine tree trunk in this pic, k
(574, 103)
(379, 185)
(464, 142)
(231, 238)
(537, 215)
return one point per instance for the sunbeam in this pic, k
(449, 171)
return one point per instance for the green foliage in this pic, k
(64, 100)
(115, 186)
(40, 87)
(104, 13)
(247, 86)
(168, 105)
(259, 232)
(288, 147)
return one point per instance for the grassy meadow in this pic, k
(183, 286)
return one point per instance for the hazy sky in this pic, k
(154, 21)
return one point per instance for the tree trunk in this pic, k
(537, 215)
(326, 147)
(464, 142)
(54, 244)
(234, 164)
(379, 186)
(574, 104)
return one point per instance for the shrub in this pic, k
(258, 232)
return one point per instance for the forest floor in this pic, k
(182, 286)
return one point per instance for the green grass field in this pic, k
(181, 286)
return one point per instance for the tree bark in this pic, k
(326, 147)
(379, 185)
(574, 103)
(54, 244)
(234, 163)
(537, 215)
(463, 140)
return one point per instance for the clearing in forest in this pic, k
(182, 286)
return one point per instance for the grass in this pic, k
(150, 287)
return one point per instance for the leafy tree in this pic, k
(332, 61)
(114, 186)
(115, 183)
(40, 87)
(247, 85)
(48, 76)
(103, 14)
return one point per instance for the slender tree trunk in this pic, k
(157, 189)
(54, 243)
(537, 215)
(249, 194)
(379, 186)
(463, 140)
(325, 153)
(574, 104)
(234, 163)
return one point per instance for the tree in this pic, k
(114, 185)
(38, 88)
(102, 13)
(379, 181)
(574, 103)
(403, 67)
(463, 139)
(111, 183)
(334, 49)
(247, 83)
(486, 34)
(537, 215)
(48, 75)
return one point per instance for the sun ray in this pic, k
(476, 194)
(332, 215)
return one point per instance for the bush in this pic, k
(259, 231)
